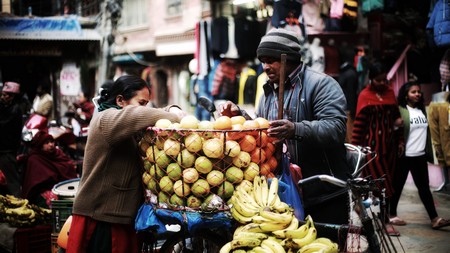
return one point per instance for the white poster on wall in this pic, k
(70, 79)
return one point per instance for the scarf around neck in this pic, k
(369, 96)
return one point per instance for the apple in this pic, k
(243, 159)
(163, 197)
(193, 202)
(237, 120)
(232, 148)
(162, 160)
(222, 123)
(214, 178)
(200, 188)
(225, 190)
(181, 188)
(234, 175)
(176, 200)
(166, 185)
(186, 159)
(193, 142)
(153, 186)
(163, 123)
(189, 122)
(174, 171)
(146, 178)
(172, 147)
(147, 165)
(203, 165)
(251, 171)
(156, 172)
(190, 175)
(213, 148)
(206, 125)
(151, 152)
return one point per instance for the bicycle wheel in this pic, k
(201, 242)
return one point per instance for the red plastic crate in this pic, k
(36, 239)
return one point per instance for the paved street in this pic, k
(417, 235)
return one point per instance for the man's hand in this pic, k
(281, 129)
(229, 109)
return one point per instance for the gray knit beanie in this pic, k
(280, 41)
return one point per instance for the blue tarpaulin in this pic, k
(45, 29)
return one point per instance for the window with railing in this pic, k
(134, 14)
(174, 7)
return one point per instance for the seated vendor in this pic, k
(46, 166)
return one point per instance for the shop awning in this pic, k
(45, 29)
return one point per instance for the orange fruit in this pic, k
(222, 123)
(261, 139)
(263, 123)
(236, 134)
(270, 149)
(264, 169)
(247, 143)
(273, 163)
(258, 155)
(270, 175)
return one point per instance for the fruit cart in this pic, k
(193, 168)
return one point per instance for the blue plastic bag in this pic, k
(146, 219)
(288, 190)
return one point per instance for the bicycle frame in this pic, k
(360, 190)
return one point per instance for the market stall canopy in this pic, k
(64, 29)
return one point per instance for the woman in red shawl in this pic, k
(47, 165)
(376, 125)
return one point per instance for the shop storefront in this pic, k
(34, 51)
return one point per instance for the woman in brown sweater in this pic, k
(110, 189)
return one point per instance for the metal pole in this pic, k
(103, 66)
(281, 86)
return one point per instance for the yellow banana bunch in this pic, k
(245, 242)
(259, 249)
(284, 218)
(269, 225)
(12, 202)
(299, 243)
(273, 245)
(292, 233)
(318, 247)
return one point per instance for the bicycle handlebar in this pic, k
(325, 178)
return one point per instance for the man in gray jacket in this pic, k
(313, 124)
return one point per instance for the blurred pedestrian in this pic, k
(10, 136)
(43, 102)
(84, 110)
(418, 152)
(439, 121)
(47, 165)
(110, 190)
(348, 80)
(376, 125)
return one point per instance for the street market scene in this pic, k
(224, 126)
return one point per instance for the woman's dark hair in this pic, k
(127, 86)
(403, 94)
(376, 68)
